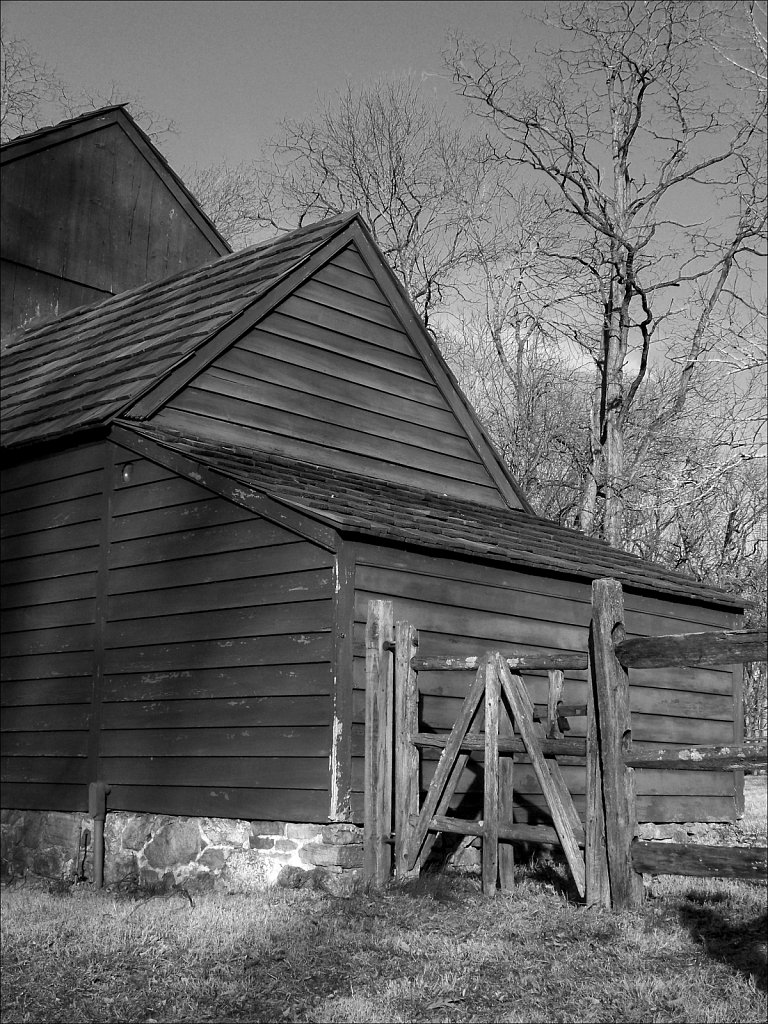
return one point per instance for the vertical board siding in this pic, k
(86, 218)
(331, 377)
(464, 608)
(50, 559)
(217, 662)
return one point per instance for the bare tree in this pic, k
(660, 179)
(32, 95)
(386, 150)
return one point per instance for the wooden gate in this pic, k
(499, 697)
(608, 871)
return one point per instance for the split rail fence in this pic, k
(605, 859)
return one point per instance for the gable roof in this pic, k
(131, 353)
(358, 505)
(96, 120)
(81, 370)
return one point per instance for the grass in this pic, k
(431, 950)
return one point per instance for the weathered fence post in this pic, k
(506, 803)
(613, 720)
(406, 753)
(554, 693)
(377, 852)
(595, 856)
(491, 780)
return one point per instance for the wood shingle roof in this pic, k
(355, 504)
(81, 370)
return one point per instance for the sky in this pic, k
(226, 71)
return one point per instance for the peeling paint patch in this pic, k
(334, 768)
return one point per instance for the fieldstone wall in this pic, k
(161, 851)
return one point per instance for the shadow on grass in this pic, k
(740, 945)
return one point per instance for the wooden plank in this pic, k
(705, 758)
(286, 680)
(614, 727)
(520, 663)
(378, 748)
(554, 697)
(289, 648)
(205, 741)
(163, 525)
(598, 886)
(232, 713)
(48, 616)
(706, 861)
(448, 758)
(376, 311)
(46, 718)
(52, 467)
(490, 869)
(343, 585)
(177, 538)
(406, 754)
(266, 620)
(48, 769)
(721, 648)
(48, 641)
(247, 803)
(391, 338)
(275, 773)
(51, 567)
(28, 692)
(230, 565)
(371, 393)
(63, 665)
(561, 812)
(49, 493)
(52, 744)
(50, 796)
(507, 744)
(541, 835)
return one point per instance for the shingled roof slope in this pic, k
(356, 504)
(83, 369)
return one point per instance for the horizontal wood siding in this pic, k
(331, 377)
(50, 556)
(464, 608)
(217, 662)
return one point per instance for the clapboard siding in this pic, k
(332, 377)
(217, 653)
(51, 508)
(466, 608)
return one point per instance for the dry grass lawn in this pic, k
(432, 951)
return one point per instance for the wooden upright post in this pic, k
(491, 780)
(377, 852)
(596, 860)
(406, 753)
(613, 720)
(506, 803)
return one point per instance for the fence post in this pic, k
(596, 861)
(506, 804)
(491, 780)
(554, 693)
(613, 722)
(377, 852)
(406, 754)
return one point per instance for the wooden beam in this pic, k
(684, 859)
(598, 888)
(406, 753)
(540, 835)
(517, 663)
(491, 781)
(614, 738)
(575, 747)
(554, 693)
(377, 853)
(718, 648)
(702, 759)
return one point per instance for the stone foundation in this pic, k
(160, 851)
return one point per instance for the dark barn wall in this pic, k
(217, 664)
(465, 608)
(212, 670)
(51, 509)
(86, 218)
(332, 378)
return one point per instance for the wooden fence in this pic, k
(399, 828)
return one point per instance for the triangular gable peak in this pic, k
(333, 367)
(91, 208)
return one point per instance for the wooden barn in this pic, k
(90, 208)
(206, 479)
